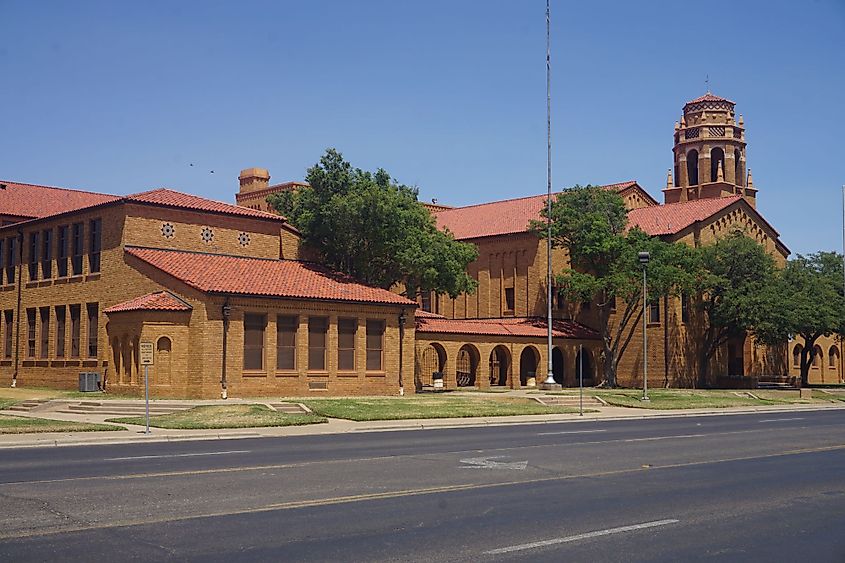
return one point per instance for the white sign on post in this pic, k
(146, 353)
(146, 357)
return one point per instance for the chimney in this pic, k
(253, 179)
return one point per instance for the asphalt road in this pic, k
(763, 487)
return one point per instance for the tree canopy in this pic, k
(371, 227)
(590, 222)
(732, 279)
(806, 300)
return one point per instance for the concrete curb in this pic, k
(341, 427)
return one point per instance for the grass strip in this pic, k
(387, 408)
(210, 417)
(24, 425)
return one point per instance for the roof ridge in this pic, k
(76, 190)
(530, 196)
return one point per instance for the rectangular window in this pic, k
(317, 329)
(346, 330)
(654, 312)
(62, 254)
(426, 301)
(47, 254)
(44, 352)
(11, 259)
(286, 328)
(2, 259)
(10, 327)
(254, 325)
(509, 299)
(75, 312)
(33, 256)
(375, 345)
(684, 308)
(96, 234)
(77, 249)
(61, 311)
(30, 333)
(561, 298)
(93, 326)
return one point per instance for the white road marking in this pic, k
(652, 438)
(779, 419)
(598, 533)
(488, 463)
(570, 432)
(176, 455)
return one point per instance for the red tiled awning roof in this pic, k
(500, 217)
(30, 201)
(511, 326)
(673, 218)
(158, 301)
(171, 198)
(237, 275)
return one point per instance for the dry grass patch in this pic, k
(223, 416)
(24, 424)
(402, 408)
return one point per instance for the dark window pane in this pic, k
(10, 322)
(33, 256)
(60, 331)
(61, 245)
(375, 345)
(346, 329)
(254, 325)
(317, 328)
(96, 235)
(45, 332)
(30, 333)
(93, 311)
(286, 327)
(75, 328)
(77, 248)
(47, 254)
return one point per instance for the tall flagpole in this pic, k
(550, 379)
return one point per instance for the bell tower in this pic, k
(709, 153)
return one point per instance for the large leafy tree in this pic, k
(734, 277)
(371, 227)
(591, 223)
(806, 300)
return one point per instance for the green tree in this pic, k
(591, 224)
(733, 280)
(806, 300)
(370, 227)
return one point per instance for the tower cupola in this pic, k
(709, 152)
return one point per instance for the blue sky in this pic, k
(122, 96)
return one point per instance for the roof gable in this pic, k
(31, 201)
(157, 301)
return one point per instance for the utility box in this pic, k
(89, 381)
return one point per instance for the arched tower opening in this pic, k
(717, 160)
(692, 167)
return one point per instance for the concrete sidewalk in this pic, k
(135, 434)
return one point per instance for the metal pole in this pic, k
(550, 378)
(147, 394)
(581, 378)
(645, 336)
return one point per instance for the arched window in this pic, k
(817, 356)
(692, 167)
(738, 168)
(796, 355)
(832, 357)
(717, 156)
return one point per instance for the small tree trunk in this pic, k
(609, 367)
(806, 360)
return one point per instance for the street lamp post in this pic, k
(644, 258)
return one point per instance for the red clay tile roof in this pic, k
(420, 314)
(33, 201)
(500, 217)
(672, 218)
(708, 97)
(510, 326)
(158, 301)
(170, 198)
(217, 273)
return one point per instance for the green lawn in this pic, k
(223, 416)
(22, 425)
(696, 399)
(361, 409)
(6, 403)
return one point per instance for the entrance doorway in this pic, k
(557, 365)
(500, 366)
(528, 361)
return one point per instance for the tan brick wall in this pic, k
(830, 366)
